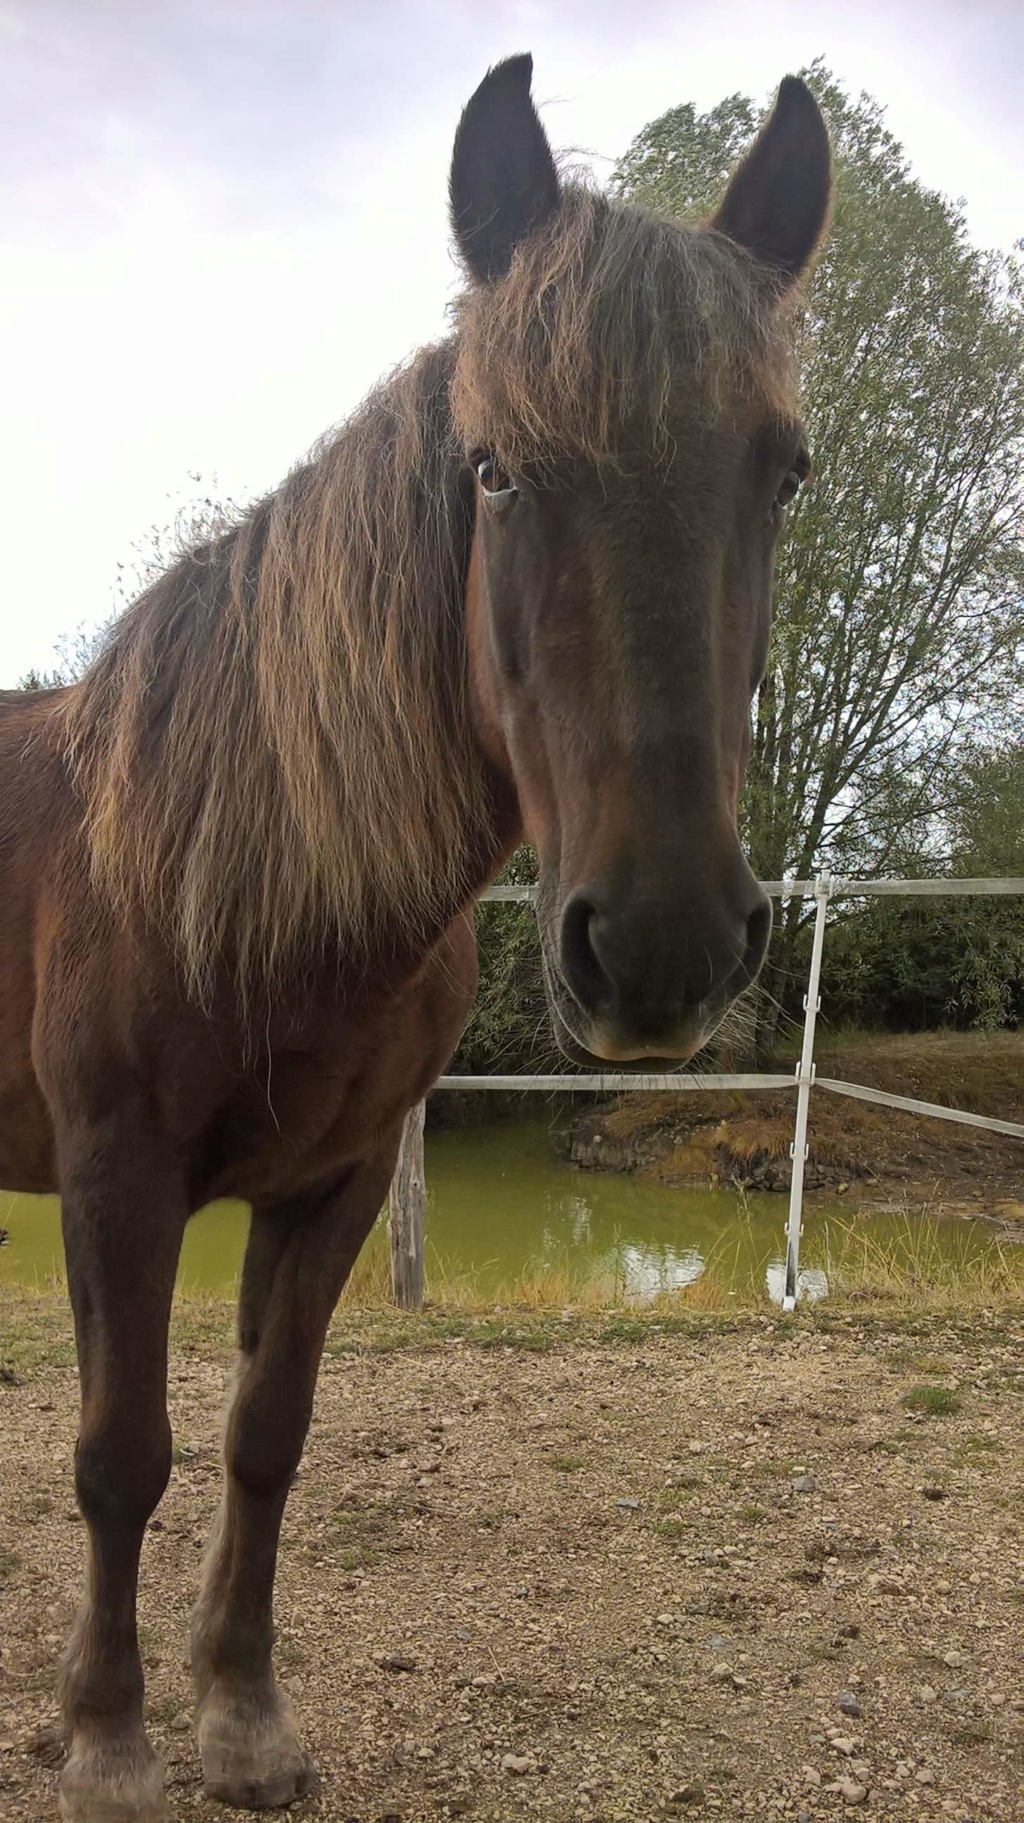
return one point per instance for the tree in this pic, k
(899, 634)
(909, 963)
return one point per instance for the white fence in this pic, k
(407, 1219)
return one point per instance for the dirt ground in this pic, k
(762, 1570)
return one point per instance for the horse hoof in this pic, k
(249, 1790)
(111, 1784)
(251, 1754)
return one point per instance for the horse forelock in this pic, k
(613, 329)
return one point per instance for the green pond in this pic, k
(502, 1205)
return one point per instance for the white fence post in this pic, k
(804, 1078)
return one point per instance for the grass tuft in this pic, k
(932, 1401)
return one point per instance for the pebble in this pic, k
(849, 1705)
(954, 1660)
(804, 1484)
(927, 1694)
(630, 1506)
(844, 1744)
(851, 1791)
(517, 1763)
(924, 1775)
(721, 1674)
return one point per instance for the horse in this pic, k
(524, 590)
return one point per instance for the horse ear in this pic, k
(777, 199)
(503, 180)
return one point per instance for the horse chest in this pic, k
(300, 1118)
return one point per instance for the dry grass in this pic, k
(927, 1263)
(978, 1071)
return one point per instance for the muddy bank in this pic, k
(661, 1144)
(744, 1139)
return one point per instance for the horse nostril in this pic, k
(585, 977)
(759, 929)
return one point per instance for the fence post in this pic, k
(823, 886)
(406, 1205)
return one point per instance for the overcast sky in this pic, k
(221, 220)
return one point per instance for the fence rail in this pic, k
(840, 888)
(407, 1216)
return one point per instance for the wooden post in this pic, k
(405, 1213)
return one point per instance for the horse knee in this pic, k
(264, 1442)
(120, 1473)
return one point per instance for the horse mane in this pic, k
(274, 750)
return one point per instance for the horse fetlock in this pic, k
(250, 1749)
(113, 1781)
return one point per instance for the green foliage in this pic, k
(509, 1029)
(919, 963)
(910, 963)
(681, 162)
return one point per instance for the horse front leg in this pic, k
(124, 1214)
(298, 1258)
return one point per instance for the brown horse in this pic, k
(526, 587)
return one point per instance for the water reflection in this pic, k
(811, 1282)
(647, 1276)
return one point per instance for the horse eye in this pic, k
(496, 482)
(790, 488)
